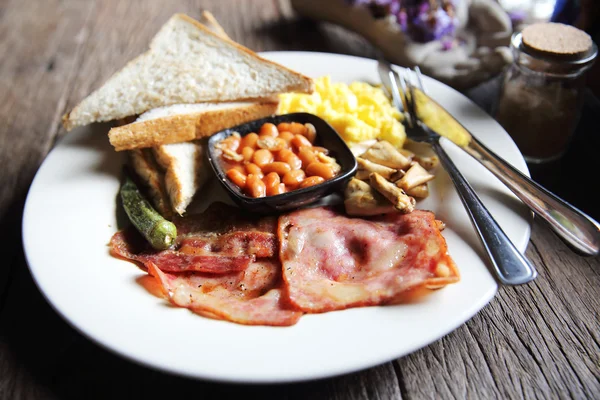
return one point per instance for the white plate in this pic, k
(70, 216)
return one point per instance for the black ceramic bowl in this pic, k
(326, 137)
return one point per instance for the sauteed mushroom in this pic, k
(384, 153)
(366, 168)
(362, 200)
(402, 202)
(415, 176)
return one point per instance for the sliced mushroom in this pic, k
(362, 200)
(402, 202)
(415, 176)
(427, 162)
(421, 191)
(366, 168)
(384, 153)
(407, 153)
(397, 175)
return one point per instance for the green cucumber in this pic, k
(157, 230)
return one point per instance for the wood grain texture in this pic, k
(537, 341)
(39, 58)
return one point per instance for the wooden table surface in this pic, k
(536, 341)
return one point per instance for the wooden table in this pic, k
(536, 341)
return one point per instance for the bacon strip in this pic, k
(332, 262)
(250, 297)
(222, 239)
(176, 261)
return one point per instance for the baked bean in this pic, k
(306, 156)
(311, 132)
(237, 177)
(325, 159)
(288, 156)
(277, 159)
(271, 143)
(249, 140)
(317, 168)
(283, 126)
(254, 169)
(300, 141)
(238, 167)
(287, 136)
(262, 157)
(255, 187)
(232, 155)
(279, 167)
(247, 153)
(230, 143)
(294, 127)
(319, 149)
(268, 129)
(336, 168)
(271, 180)
(294, 178)
(311, 181)
(278, 189)
(283, 144)
(283, 154)
(294, 161)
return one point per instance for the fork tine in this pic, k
(396, 93)
(405, 95)
(409, 94)
(420, 79)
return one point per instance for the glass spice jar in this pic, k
(542, 91)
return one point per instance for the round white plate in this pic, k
(70, 216)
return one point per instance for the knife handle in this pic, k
(511, 267)
(579, 231)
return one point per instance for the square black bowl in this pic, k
(326, 137)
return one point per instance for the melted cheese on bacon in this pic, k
(331, 261)
(250, 297)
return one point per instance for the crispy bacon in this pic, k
(332, 262)
(250, 297)
(220, 240)
(252, 270)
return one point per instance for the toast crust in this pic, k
(75, 116)
(185, 127)
(308, 84)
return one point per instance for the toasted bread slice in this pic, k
(153, 178)
(184, 122)
(186, 63)
(171, 174)
(208, 20)
(185, 169)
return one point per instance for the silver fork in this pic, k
(511, 267)
(578, 230)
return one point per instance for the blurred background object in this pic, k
(524, 12)
(542, 92)
(462, 43)
(459, 42)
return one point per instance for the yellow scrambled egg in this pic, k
(357, 111)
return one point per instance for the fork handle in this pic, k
(574, 227)
(511, 267)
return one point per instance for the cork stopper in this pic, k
(556, 40)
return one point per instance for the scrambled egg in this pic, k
(358, 112)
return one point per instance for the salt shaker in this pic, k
(542, 91)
